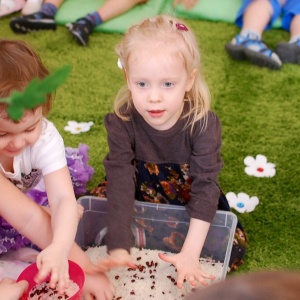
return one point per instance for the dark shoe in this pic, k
(254, 50)
(81, 30)
(33, 22)
(289, 52)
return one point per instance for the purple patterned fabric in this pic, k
(10, 239)
(81, 173)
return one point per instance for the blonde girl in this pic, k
(164, 141)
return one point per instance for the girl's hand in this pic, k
(98, 287)
(188, 268)
(117, 258)
(54, 261)
(188, 4)
(11, 290)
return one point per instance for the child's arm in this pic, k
(96, 286)
(187, 261)
(23, 214)
(34, 222)
(64, 222)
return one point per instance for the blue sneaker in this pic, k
(254, 50)
(289, 52)
(33, 22)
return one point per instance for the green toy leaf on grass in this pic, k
(35, 92)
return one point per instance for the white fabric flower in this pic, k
(259, 167)
(76, 128)
(242, 202)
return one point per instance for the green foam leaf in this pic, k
(35, 93)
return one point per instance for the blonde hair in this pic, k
(167, 29)
(19, 64)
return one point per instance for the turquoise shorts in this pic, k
(287, 12)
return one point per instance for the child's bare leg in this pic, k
(257, 16)
(295, 27)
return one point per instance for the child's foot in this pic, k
(8, 7)
(33, 22)
(81, 30)
(289, 52)
(254, 50)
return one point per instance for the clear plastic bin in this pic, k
(158, 226)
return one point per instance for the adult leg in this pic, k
(41, 20)
(83, 27)
(253, 18)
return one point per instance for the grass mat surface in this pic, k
(259, 110)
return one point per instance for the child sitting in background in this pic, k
(254, 17)
(82, 28)
(30, 149)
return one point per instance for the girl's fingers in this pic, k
(166, 258)
(131, 265)
(207, 276)
(191, 279)
(22, 286)
(203, 277)
(63, 282)
(88, 296)
(54, 279)
(180, 281)
(42, 273)
(109, 294)
(105, 264)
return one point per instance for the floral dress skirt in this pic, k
(170, 184)
(81, 173)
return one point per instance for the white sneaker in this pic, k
(32, 6)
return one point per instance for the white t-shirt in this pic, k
(45, 156)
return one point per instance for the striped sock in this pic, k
(49, 9)
(94, 18)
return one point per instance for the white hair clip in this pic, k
(120, 63)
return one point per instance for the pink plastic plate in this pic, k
(75, 271)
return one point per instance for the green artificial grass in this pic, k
(259, 110)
